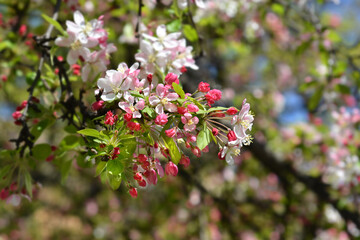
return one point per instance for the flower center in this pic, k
(190, 122)
(76, 45)
(164, 101)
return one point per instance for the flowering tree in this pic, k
(128, 91)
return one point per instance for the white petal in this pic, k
(78, 18)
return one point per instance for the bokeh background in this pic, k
(266, 51)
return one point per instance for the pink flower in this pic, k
(243, 121)
(171, 169)
(163, 100)
(129, 106)
(212, 96)
(189, 122)
(170, 78)
(22, 30)
(97, 105)
(161, 119)
(185, 160)
(170, 132)
(133, 192)
(203, 87)
(192, 108)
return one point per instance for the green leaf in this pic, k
(37, 129)
(174, 26)
(178, 90)
(278, 8)
(203, 138)
(100, 168)
(341, 88)
(41, 151)
(89, 132)
(173, 149)
(197, 103)
(28, 184)
(5, 170)
(136, 94)
(114, 180)
(115, 166)
(70, 142)
(65, 169)
(149, 111)
(55, 23)
(190, 33)
(315, 99)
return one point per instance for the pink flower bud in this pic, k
(97, 105)
(185, 160)
(138, 176)
(206, 149)
(215, 131)
(142, 158)
(128, 117)
(142, 183)
(161, 119)
(133, 192)
(196, 151)
(22, 30)
(133, 126)
(192, 108)
(170, 132)
(50, 158)
(149, 78)
(183, 69)
(203, 87)
(151, 176)
(16, 115)
(171, 169)
(232, 111)
(170, 78)
(219, 155)
(231, 136)
(182, 110)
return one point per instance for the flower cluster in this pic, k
(160, 117)
(164, 52)
(88, 43)
(343, 169)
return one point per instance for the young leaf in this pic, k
(203, 139)
(100, 168)
(28, 184)
(41, 151)
(178, 90)
(149, 111)
(89, 132)
(190, 33)
(114, 180)
(173, 149)
(55, 23)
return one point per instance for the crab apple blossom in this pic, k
(243, 121)
(171, 78)
(185, 160)
(97, 105)
(163, 100)
(189, 122)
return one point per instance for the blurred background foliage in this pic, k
(295, 62)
